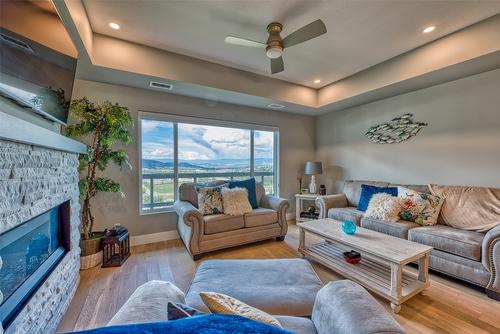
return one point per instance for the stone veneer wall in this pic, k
(32, 181)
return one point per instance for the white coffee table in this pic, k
(383, 258)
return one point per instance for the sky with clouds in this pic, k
(202, 142)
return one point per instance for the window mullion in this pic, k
(252, 154)
(176, 161)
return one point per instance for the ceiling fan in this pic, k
(275, 45)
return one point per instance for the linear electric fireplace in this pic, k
(28, 254)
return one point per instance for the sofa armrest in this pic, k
(280, 205)
(330, 201)
(189, 225)
(148, 303)
(188, 212)
(344, 307)
(489, 241)
(491, 261)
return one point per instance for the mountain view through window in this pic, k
(204, 153)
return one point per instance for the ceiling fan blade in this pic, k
(244, 42)
(310, 31)
(277, 65)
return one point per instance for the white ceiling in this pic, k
(361, 33)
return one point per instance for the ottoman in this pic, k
(278, 286)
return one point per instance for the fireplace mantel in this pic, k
(21, 131)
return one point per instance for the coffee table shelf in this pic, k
(379, 275)
(383, 259)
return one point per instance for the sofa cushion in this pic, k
(397, 229)
(469, 208)
(260, 216)
(278, 286)
(189, 191)
(210, 200)
(297, 325)
(352, 190)
(235, 201)
(349, 213)
(451, 240)
(222, 223)
(367, 192)
(148, 303)
(221, 303)
(250, 186)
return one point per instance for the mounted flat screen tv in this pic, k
(37, 58)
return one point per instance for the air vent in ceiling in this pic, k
(160, 85)
(275, 106)
(16, 42)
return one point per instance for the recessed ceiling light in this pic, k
(113, 25)
(429, 29)
(317, 81)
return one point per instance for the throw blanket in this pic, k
(206, 324)
(469, 208)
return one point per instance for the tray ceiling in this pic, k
(360, 33)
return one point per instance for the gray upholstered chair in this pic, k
(202, 234)
(468, 255)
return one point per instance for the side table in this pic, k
(299, 204)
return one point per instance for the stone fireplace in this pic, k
(39, 176)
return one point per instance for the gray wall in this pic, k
(297, 142)
(460, 146)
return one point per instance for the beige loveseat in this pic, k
(468, 255)
(202, 234)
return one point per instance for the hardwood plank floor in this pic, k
(448, 306)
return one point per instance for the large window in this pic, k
(175, 150)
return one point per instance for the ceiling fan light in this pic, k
(274, 52)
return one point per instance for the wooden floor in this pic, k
(448, 306)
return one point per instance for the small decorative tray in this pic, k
(352, 257)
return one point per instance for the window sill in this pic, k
(157, 211)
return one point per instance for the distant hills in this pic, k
(155, 164)
(203, 164)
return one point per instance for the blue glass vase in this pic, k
(348, 227)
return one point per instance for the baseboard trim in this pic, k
(144, 239)
(290, 216)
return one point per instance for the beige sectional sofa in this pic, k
(202, 234)
(467, 255)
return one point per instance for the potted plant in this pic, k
(101, 126)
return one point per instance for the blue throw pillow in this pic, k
(250, 186)
(368, 191)
(203, 324)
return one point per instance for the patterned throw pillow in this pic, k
(421, 208)
(210, 200)
(220, 303)
(383, 206)
(236, 201)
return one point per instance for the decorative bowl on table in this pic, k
(348, 227)
(352, 257)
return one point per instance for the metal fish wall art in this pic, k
(397, 130)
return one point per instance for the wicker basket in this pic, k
(91, 252)
(90, 261)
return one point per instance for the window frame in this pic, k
(175, 120)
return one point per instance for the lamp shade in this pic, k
(313, 168)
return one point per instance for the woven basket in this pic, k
(91, 251)
(90, 261)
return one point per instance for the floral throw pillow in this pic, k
(210, 200)
(420, 208)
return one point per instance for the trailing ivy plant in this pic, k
(101, 126)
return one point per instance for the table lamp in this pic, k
(313, 168)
